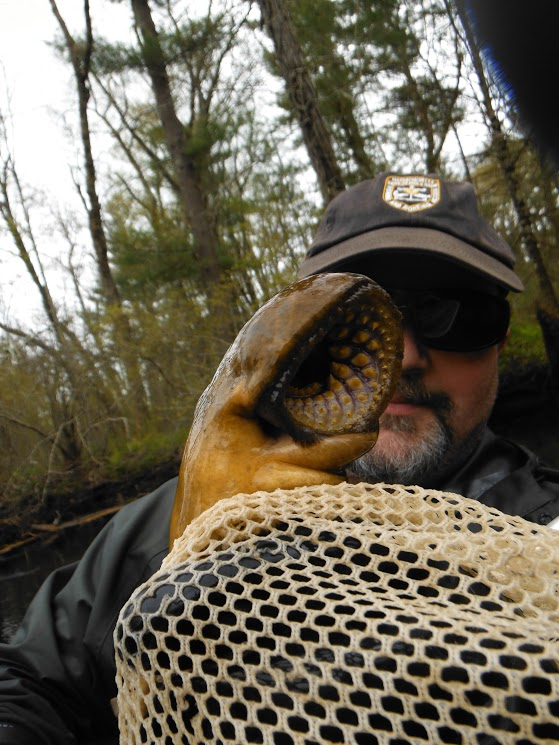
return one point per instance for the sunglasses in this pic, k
(454, 320)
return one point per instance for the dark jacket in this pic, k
(57, 676)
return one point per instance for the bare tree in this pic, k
(80, 55)
(80, 58)
(303, 97)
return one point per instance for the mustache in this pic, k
(413, 391)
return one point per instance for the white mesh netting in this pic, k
(371, 615)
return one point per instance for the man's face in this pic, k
(436, 417)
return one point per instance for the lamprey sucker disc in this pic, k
(341, 371)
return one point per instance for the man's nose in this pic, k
(416, 355)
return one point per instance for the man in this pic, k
(423, 239)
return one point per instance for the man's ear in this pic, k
(504, 341)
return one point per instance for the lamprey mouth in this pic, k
(297, 396)
(341, 375)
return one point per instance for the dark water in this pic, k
(22, 575)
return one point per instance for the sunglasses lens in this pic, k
(455, 321)
(436, 315)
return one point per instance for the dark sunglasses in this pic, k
(454, 320)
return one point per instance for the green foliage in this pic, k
(149, 450)
(524, 347)
(148, 256)
(115, 57)
(439, 104)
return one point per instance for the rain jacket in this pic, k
(57, 676)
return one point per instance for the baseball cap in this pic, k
(435, 224)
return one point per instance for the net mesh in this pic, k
(374, 615)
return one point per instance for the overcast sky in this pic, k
(38, 84)
(37, 89)
(33, 79)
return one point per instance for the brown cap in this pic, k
(422, 216)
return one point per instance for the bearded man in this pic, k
(424, 240)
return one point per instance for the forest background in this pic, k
(209, 142)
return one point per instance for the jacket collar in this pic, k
(500, 474)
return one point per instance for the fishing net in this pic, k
(363, 614)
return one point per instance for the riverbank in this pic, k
(59, 512)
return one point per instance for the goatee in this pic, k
(426, 460)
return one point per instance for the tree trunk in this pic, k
(80, 60)
(353, 137)
(193, 199)
(80, 65)
(303, 97)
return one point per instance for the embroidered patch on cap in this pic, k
(412, 193)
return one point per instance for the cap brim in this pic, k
(434, 242)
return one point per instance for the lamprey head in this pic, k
(297, 396)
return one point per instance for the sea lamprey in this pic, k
(297, 396)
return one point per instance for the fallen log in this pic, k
(44, 530)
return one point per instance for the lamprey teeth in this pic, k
(340, 371)
(361, 336)
(341, 352)
(340, 333)
(354, 383)
(360, 359)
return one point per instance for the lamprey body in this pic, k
(297, 396)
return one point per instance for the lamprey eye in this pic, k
(342, 374)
